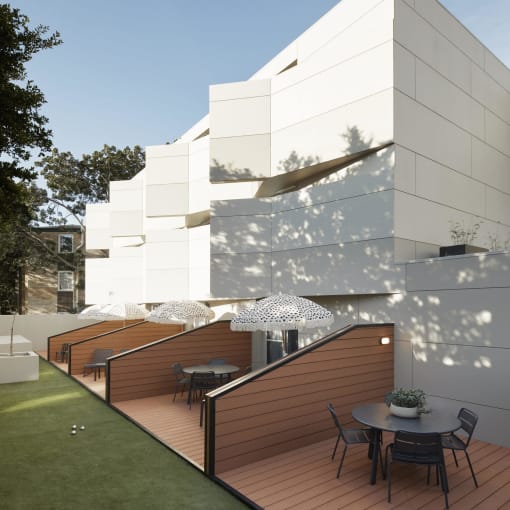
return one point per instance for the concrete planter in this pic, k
(404, 412)
(19, 367)
(459, 249)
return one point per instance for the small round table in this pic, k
(217, 369)
(378, 417)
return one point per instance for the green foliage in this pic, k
(459, 234)
(75, 182)
(406, 398)
(23, 127)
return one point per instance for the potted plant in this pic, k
(462, 238)
(406, 403)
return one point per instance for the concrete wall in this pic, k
(452, 129)
(37, 328)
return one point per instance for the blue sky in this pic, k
(132, 72)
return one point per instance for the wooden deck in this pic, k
(305, 479)
(173, 423)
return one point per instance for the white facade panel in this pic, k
(345, 42)
(241, 234)
(420, 130)
(167, 199)
(238, 117)
(438, 184)
(330, 135)
(164, 170)
(126, 195)
(345, 83)
(98, 232)
(497, 69)
(404, 70)
(239, 90)
(498, 206)
(491, 166)
(241, 275)
(364, 267)
(126, 223)
(491, 94)
(338, 19)
(241, 207)
(497, 133)
(98, 280)
(342, 221)
(166, 284)
(441, 96)
(164, 229)
(405, 170)
(240, 157)
(165, 255)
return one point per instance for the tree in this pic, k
(22, 129)
(75, 182)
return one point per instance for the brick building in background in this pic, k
(58, 286)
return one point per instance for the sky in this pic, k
(133, 72)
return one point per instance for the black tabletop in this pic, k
(378, 416)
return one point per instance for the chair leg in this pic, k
(471, 468)
(341, 462)
(455, 457)
(388, 477)
(383, 470)
(444, 483)
(336, 445)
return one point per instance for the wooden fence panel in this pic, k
(285, 407)
(76, 335)
(129, 337)
(147, 372)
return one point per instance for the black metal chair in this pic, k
(350, 436)
(220, 361)
(200, 384)
(413, 448)
(99, 357)
(181, 378)
(453, 442)
(63, 354)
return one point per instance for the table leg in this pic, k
(376, 448)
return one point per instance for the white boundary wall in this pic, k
(37, 328)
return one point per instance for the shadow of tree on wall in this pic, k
(224, 172)
(294, 162)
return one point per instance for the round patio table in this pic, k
(217, 369)
(378, 417)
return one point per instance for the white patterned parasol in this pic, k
(91, 312)
(282, 311)
(123, 311)
(181, 311)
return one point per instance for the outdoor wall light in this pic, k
(385, 340)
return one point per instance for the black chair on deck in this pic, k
(413, 448)
(99, 357)
(200, 384)
(181, 378)
(220, 361)
(350, 436)
(453, 442)
(63, 354)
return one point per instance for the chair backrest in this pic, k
(217, 361)
(336, 421)
(100, 355)
(203, 381)
(469, 420)
(65, 347)
(418, 448)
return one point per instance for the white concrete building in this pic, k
(345, 159)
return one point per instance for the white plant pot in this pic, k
(404, 412)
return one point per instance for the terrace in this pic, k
(267, 436)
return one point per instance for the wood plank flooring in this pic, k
(173, 423)
(305, 479)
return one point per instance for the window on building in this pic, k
(65, 243)
(65, 280)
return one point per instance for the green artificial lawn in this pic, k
(110, 465)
